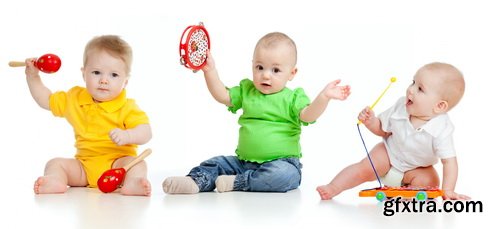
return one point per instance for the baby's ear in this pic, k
(292, 74)
(83, 75)
(441, 107)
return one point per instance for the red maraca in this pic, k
(48, 63)
(111, 179)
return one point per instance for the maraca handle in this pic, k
(138, 159)
(17, 64)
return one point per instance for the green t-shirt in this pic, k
(270, 124)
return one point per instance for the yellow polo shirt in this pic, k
(92, 123)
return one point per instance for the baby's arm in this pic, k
(450, 175)
(318, 106)
(39, 92)
(214, 84)
(372, 122)
(138, 135)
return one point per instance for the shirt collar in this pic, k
(433, 126)
(110, 106)
(436, 125)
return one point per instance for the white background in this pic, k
(364, 43)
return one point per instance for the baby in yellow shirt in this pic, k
(107, 126)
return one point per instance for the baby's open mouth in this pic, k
(409, 102)
(265, 84)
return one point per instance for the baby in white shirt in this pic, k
(416, 132)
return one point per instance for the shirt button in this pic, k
(419, 129)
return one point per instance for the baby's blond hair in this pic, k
(275, 38)
(452, 82)
(113, 45)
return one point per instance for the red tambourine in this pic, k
(194, 45)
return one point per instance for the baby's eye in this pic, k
(276, 70)
(259, 67)
(115, 74)
(420, 89)
(96, 72)
(413, 82)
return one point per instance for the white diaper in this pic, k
(393, 178)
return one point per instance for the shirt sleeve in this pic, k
(135, 116)
(299, 102)
(57, 103)
(443, 144)
(236, 96)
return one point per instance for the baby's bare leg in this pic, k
(136, 182)
(357, 173)
(59, 173)
(422, 177)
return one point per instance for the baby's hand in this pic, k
(210, 65)
(366, 115)
(451, 195)
(30, 69)
(119, 137)
(332, 91)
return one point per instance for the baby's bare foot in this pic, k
(326, 192)
(48, 185)
(139, 186)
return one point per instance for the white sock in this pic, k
(225, 183)
(180, 185)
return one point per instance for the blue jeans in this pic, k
(280, 175)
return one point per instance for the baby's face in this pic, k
(105, 76)
(424, 94)
(273, 68)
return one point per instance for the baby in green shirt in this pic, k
(268, 152)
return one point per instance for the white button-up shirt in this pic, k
(409, 148)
